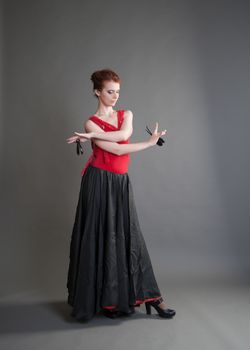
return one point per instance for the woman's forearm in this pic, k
(114, 136)
(125, 148)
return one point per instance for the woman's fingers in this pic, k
(156, 128)
(160, 133)
(87, 136)
(75, 138)
(72, 139)
(81, 134)
(83, 139)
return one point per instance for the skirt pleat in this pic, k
(109, 264)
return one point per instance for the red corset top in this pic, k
(104, 159)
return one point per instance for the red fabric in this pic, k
(104, 159)
(137, 303)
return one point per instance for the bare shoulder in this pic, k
(88, 122)
(128, 113)
(90, 126)
(127, 123)
(128, 116)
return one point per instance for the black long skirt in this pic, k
(109, 264)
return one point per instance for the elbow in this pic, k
(124, 137)
(127, 135)
(130, 133)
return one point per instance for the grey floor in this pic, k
(208, 316)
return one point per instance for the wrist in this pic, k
(150, 143)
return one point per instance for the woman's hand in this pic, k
(82, 137)
(156, 135)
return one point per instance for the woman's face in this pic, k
(110, 93)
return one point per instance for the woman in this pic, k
(110, 269)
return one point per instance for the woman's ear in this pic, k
(96, 92)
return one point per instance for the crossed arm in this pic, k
(123, 134)
(108, 140)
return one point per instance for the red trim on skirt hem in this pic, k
(137, 303)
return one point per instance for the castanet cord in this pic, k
(160, 140)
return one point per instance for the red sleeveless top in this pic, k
(104, 159)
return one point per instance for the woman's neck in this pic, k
(105, 112)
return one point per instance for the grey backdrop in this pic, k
(184, 64)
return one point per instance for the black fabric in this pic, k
(109, 263)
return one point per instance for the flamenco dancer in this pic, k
(110, 270)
